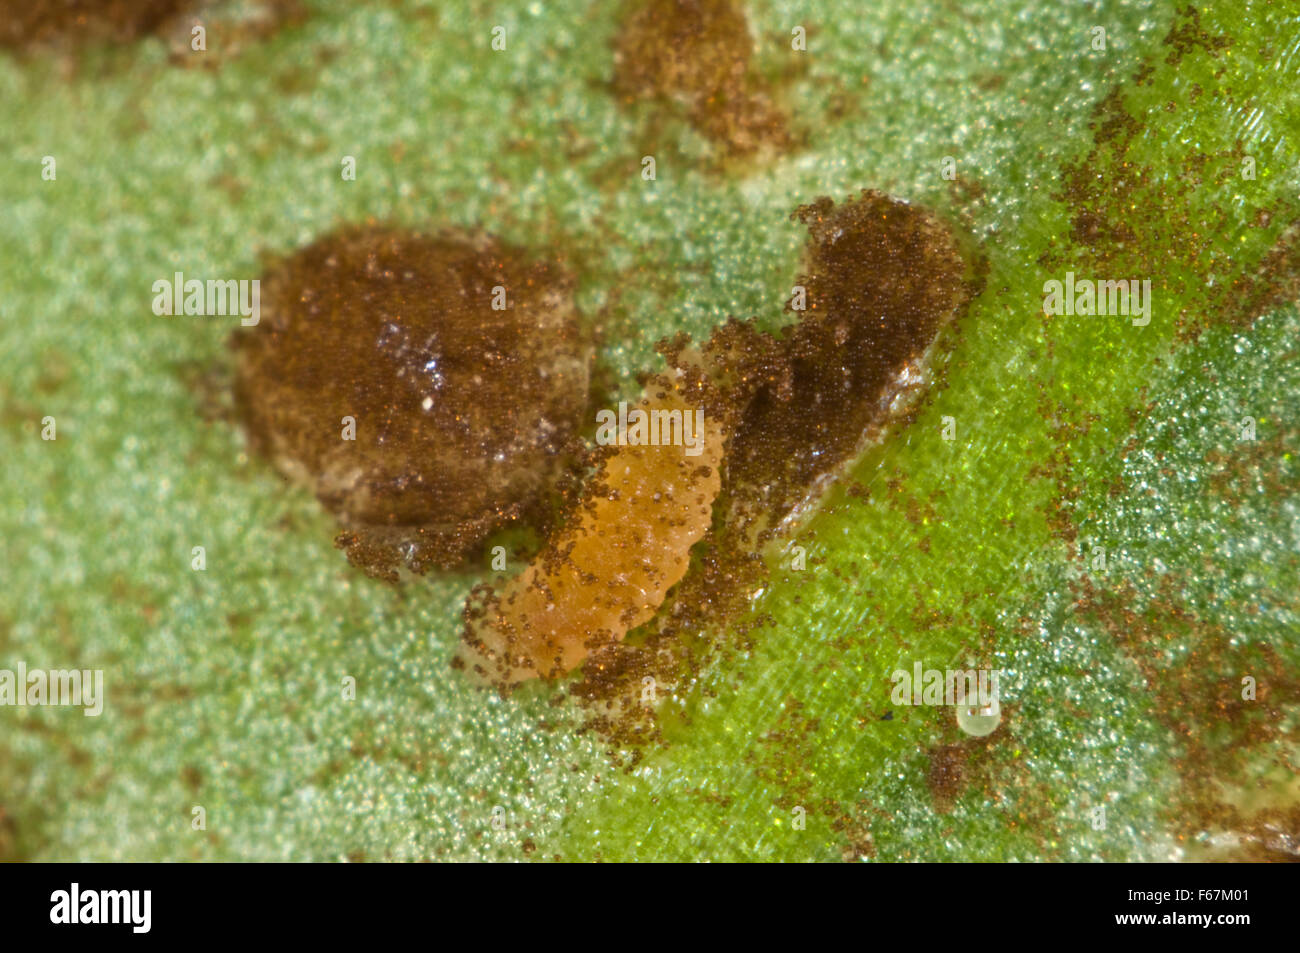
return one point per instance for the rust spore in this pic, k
(463, 414)
(1187, 35)
(1104, 188)
(696, 54)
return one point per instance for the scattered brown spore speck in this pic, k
(1197, 696)
(462, 414)
(1187, 35)
(696, 54)
(1123, 209)
(946, 776)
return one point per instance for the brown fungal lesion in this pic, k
(28, 26)
(697, 55)
(946, 775)
(460, 365)
(33, 24)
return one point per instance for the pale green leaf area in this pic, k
(224, 687)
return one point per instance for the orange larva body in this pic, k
(610, 568)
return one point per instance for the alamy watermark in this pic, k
(973, 694)
(180, 295)
(933, 686)
(651, 428)
(129, 907)
(79, 688)
(1086, 296)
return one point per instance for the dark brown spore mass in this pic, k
(881, 278)
(696, 53)
(464, 414)
(30, 23)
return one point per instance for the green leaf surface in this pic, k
(1073, 435)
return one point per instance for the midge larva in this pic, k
(610, 568)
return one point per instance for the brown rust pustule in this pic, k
(696, 53)
(464, 413)
(67, 26)
(881, 278)
(27, 24)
